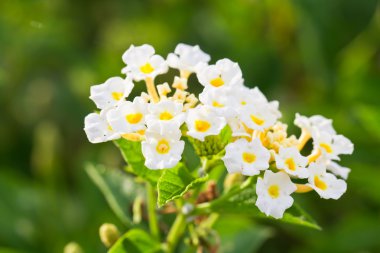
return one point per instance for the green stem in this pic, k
(176, 231)
(152, 202)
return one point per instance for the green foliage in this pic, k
(212, 145)
(136, 241)
(131, 152)
(175, 182)
(241, 200)
(118, 189)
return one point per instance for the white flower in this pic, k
(111, 92)
(142, 63)
(162, 148)
(314, 124)
(290, 160)
(273, 193)
(237, 127)
(128, 117)
(201, 121)
(223, 73)
(97, 128)
(332, 146)
(244, 96)
(338, 170)
(187, 57)
(247, 158)
(260, 116)
(325, 184)
(165, 112)
(219, 100)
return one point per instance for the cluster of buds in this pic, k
(260, 145)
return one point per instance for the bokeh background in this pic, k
(314, 56)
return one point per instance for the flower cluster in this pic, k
(260, 145)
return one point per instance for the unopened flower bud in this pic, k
(72, 247)
(231, 180)
(109, 234)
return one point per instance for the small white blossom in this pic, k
(247, 158)
(338, 170)
(314, 124)
(165, 112)
(273, 193)
(237, 127)
(162, 148)
(219, 100)
(260, 116)
(291, 160)
(128, 117)
(187, 57)
(202, 121)
(223, 73)
(97, 128)
(325, 184)
(142, 63)
(111, 92)
(244, 96)
(332, 146)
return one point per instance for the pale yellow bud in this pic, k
(109, 234)
(180, 83)
(180, 96)
(163, 89)
(72, 247)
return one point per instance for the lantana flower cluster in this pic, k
(260, 145)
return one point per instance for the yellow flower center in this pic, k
(249, 157)
(217, 104)
(163, 147)
(109, 127)
(147, 68)
(257, 120)
(166, 116)
(243, 102)
(202, 126)
(319, 183)
(291, 164)
(134, 118)
(274, 191)
(117, 95)
(327, 147)
(217, 82)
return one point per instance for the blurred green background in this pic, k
(314, 56)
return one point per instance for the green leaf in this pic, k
(175, 182)
(243, 202)
(132, 154)
(118, 189)
(136, 241)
